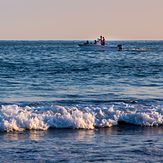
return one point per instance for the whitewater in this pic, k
(14, 117)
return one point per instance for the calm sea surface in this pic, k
(61, 103)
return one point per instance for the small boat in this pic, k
(99, 47)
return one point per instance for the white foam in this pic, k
(14, 117)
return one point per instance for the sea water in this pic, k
(61, 103)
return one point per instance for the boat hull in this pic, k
(98, 47)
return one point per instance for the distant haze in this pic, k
(81, 19)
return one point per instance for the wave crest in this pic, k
(14, 117)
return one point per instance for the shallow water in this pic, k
(61, 103)
(121, 143)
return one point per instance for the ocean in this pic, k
(59, 103)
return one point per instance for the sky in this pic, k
(81, 19)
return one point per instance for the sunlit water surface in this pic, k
(61, 103)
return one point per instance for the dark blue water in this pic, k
(58, 71)
(49, 88)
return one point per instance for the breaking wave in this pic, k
(17, 118)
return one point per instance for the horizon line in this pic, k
(80, 39)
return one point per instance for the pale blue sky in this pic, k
(81, 19)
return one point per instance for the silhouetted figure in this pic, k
(103, 41)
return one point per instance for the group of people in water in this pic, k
(101, 39)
